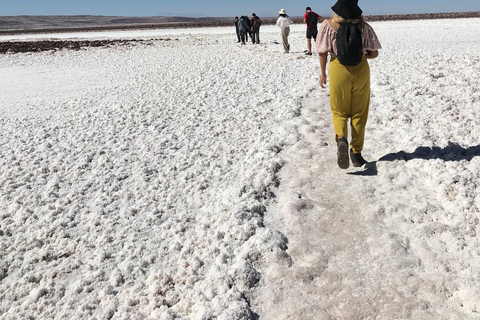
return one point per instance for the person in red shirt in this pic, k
(311, 19)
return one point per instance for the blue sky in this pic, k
(217, 8)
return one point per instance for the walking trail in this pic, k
(347, 260)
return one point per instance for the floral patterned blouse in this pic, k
(326, 39)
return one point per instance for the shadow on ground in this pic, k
(452, 152)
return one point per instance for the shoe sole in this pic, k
(342, 155)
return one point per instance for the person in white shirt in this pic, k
(284, 22)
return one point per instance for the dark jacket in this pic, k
(252, 22)
(243, 25)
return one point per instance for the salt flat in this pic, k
(196, 179)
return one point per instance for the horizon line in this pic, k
(217, 17)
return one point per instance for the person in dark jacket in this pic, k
(243, 28)
(255, 24)
(236, 28)
(249, 31)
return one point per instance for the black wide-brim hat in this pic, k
(347, 9)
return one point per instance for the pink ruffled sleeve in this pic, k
(326, 41)
(370, 39)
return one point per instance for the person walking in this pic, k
(284, 22)
(243, 28)
(255, 24)
(349, 83)
(236, 29)
(311, 19)
(249, 32)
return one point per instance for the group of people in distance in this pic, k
(348, 73)
(248, 26)
(245, 26)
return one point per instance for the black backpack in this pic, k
(349, 44)
(256, 23)
(312, 19)
(245, 24)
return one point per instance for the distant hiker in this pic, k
(236, 28)
(249, 32)
(311, 19)
(255, 24)
(284, 22)
(243, 28)
(349, 75)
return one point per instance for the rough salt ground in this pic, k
(398, 239)
(132, 218)
(134, 179)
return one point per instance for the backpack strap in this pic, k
(333, 24)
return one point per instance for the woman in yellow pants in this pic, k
(349, 85)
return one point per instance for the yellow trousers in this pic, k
(349, 99)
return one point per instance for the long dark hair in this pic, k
(283, 15)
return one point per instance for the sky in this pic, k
(217, 8)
